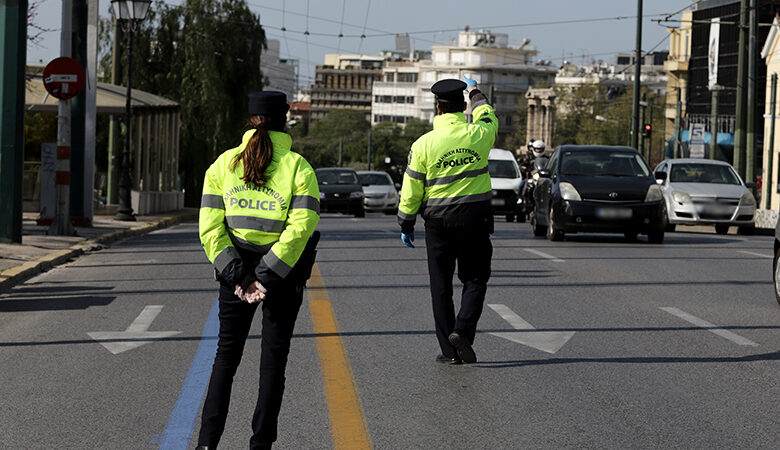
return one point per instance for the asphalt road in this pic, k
(642, 346)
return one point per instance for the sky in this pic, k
(574, 30)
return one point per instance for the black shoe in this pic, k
(447, 360)
(202, 447)
(465, 352)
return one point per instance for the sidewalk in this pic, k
(39, 252)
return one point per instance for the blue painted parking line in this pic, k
(181, 424)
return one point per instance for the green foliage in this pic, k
(205, 55)
(38, 128)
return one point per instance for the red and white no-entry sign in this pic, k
(63, 78)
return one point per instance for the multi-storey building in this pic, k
(278, 74)
(676, 67)
(345, 82)
(504, 72)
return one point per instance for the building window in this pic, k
(390, 77)
(407, 77)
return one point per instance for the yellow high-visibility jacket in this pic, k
(274, 220)
(447, 178)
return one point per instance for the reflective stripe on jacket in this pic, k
(447, 178)
(275, 219)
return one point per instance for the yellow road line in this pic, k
(346, 413)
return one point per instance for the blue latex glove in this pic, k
(407, 239)
(469, 82)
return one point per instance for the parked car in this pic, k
(505, 180)
(705, 192)
(598, 189)
(340, 191)
(380, 191)
(775, 265)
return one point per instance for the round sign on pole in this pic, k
(63, 78)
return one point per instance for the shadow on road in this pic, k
(774, 356)
(54, 304)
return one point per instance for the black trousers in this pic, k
(470, 247)
(280, 310)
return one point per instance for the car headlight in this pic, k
(681, 197)
(392, 195)
(654, 194)
(747, 200)
(355, 195)
(569, 192)
(322, 195)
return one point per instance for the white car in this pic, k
(381, 193)
(705, 192)
(505, 179)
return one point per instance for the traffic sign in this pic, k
(63, 78)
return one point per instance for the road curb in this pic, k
(15, 275)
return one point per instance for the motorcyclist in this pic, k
(533, 161)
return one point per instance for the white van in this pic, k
(505, 180)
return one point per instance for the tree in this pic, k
(204, 54)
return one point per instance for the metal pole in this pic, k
(641, 141)
(750, 147)
(677, 125)
(769, 182)
(739, 131)
(650, 134)
(61, 224)
(714, 124)
(112, 196)
(13, 53)
(369, 149)
(78, 118)
(341, 151)
(125, 210)
(637, 74)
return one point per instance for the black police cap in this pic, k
(268, 103)
(449, 89)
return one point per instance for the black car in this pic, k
(340, 191)
(600, 189)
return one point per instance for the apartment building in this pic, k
(504, 72)
(278, 74)
(345, 82)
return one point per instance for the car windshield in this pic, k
(373, 179)
(336, 177)
(703, 173)
(502, 168)
(603, 163)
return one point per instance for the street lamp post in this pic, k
(128, 13)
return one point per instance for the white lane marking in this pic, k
(760, 255)
(135, 335)
(733, 337)
(546, 341)
(543, 255)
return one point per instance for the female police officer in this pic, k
(259, 208)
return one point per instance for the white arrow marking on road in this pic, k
(733, 337)
(760, 255)
(543, 255)
(135, 335)
(546, 341)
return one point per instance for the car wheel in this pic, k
(360, 213)
(553, 233)
(656, 236)
(777, 276)
(722, 229)
(630, 236)
(510, 217)
(746, 230)
(670, 227)
(539, 230)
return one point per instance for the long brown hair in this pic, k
(259, 151)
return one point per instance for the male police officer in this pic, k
(447, 182)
